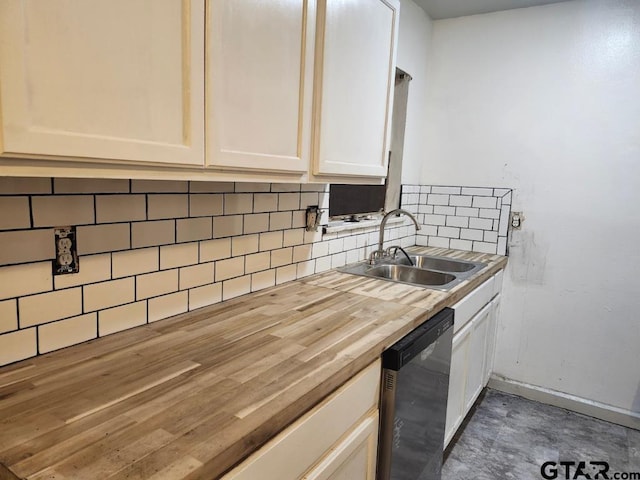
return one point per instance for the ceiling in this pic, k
(440, 9)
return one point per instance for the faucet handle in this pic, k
(376, 255)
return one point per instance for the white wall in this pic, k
(413, 41)
(546, 100)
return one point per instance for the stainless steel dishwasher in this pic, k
(415, 386)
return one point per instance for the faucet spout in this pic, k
(397, 211)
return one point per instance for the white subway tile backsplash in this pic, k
(461, 244)
(205, 204)
(309, 199)
(481, 223)
(99, 296)
(503, 225)
(286, 274)
(237, 203)
(491, 237)
(435, 219)
(252, 187)
(132, 262)
(485, 202)
(206, 295)
(230, 268)
(62, 210)
(22, 246)
(172, 256)
(484, 192)
(489, 213)
(244, 244)
(484, 247)
(470, 234)
(440, 210)
(283, 256)
(18, 345)
(500, 192)
(293, 237)
(215, 249)
(103, 238)
(436, 199)
(280, 221)
(271, 241)
(168, 306)
(462, 222)
(460, 200)
(121, 318)
(19, 280)
(193, 229)
(449, 232)
(438, 242)
(288, 201)
(211, 187)
(263, 280)
(65, 333)
(159, 186)
(467, 212)
(256, 223)
(236, 287)
(8, 316)
(47, 307)
(257, 262)
(25, 186)
(120, 208)
(306, 268)
(446, 190)
(196, 275)
(15, 213)
(133, 271)
(227, 226)
(265, 202)
(157, 283)
(502, 245)
(149, 234)
(167, 206)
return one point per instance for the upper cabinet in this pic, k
(259, 84)
(283, 90)
(112, 80)
(355, 71)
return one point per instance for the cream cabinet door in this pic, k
(352, 459)
(477, 356)
(355, 71)
(259, 84)
(95, 79)
(457, 382)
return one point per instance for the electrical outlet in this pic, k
(66, 260)
(516, 220)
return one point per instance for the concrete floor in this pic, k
(509, 437)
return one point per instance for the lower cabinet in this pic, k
(472, 351)
(352, 459)
(337, 439)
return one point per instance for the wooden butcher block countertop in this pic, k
(192, 396)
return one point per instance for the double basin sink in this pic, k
(440, 273)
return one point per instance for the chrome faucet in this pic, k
(380, 252)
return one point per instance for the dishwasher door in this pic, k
(415, 386)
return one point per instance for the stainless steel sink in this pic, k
(406, 274)
(440, 273)
(441, 264)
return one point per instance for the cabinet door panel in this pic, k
(477, 356)
(116, 80)
(259, 81)
(457, 382)
(352, 459)
(355, 68)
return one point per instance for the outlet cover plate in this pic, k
(66, 260)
